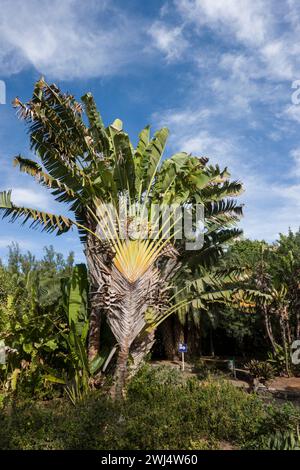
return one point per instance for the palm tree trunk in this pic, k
(121, 373)
(287, 326)
(127, 314)
(194, 341)
(94, 332)
(168, 339)
(298, 323)
(129, 304)
(140, 348)
(211, 342)
(269, 329)
(285, 341)
(98, 271)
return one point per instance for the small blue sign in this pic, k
(182, 347)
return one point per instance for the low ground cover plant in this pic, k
(161, 411)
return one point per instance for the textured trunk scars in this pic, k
(298, 323)
(139, 350)
(268, 327)
(168, 339)
(98, 257)
(94, 332)
(283, 321)
(121, 373)
(126, 310)
(128, 289)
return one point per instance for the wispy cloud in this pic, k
(193, 130)
(228, 65)
(169, 40)
(295, 154)
(34, 197)
(271, 206)
(5, 242)
(244, 19)
(260, 46)
(291, 112)
(66, 39)
(256, 26)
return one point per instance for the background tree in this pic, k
(33, 316)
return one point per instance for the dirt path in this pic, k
(286, 384)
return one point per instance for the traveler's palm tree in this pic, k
(88, 164)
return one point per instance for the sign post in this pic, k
(2, 352)
(182, 348)
(231, 366)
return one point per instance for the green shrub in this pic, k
(201, 368)
(261, 370)
(162, 411)
(150, 380)
(277, 359)
(288, 440)
(277, 421)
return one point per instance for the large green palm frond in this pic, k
(148, 156)
(96, 127)
(32, 168)
(47, 221)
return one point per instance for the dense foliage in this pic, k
(273, 324)
(180, 415)
(39, 300)
(35, 307)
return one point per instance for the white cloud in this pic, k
(183, 117)
(191, 131)
(291, 193)
(66, 39)
(11, 60)
(295, 154)
(267, 224)
(270, 207)
(218, 149)
(267, 31)
(253, 62)
(281, 57)
(169, 40)
(291, 112)
(255, 56)
(31, 197)
(260, 55)
(242, 67)
(244, 19)
(24, 244)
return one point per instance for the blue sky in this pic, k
(218, 73)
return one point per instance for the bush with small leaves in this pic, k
(261, 370)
